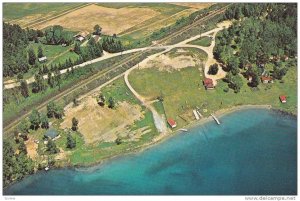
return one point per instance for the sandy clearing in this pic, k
(98, 123)
(31, 147)
(110, 19)
(164, 62)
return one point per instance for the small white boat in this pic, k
(47, 168)
(183, 129)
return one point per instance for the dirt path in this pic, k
(159, 121)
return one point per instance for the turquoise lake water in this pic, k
(253, 152)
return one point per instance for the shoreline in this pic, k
(156, 140)
(163, 137)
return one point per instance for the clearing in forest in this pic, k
(98, 123)
(175, 60)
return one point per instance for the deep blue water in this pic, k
(253, 152)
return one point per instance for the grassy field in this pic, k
(119, 91)
(159, 106)
(183, 91)
(203, 41)
(13, 11)
(55, 53)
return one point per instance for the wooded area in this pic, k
(262, 34)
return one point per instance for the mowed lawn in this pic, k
(55, 53)
(183, 91)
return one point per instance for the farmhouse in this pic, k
(208, 83)
(172, 123)
(96, 37)
(81, 36)
(42, 59)
(265, 79)
(282, 99)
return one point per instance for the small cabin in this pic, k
(42, 59)
(282, 99)
(81, 36)
(172, 123)
(208, 83)
(96, 37)
(265, 79)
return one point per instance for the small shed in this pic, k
(265, 79)
(208, 83)
(172, 123)
(282, 98)
(42, 59)
(51, 134)
(96, 37)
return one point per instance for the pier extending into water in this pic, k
(216, 119)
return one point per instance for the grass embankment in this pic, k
(183, 91)
(203, 41)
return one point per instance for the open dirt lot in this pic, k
(98, 123)
(31, 147)
(110, 19)
(177, 60)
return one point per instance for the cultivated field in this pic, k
(110, 19)
(141, 18)
(26, 14)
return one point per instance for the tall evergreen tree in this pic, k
(31, 56)
(40, 52)
(24, 88)
(34, 119)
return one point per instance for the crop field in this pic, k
(141, 18)
(25, 14)
(110, 19)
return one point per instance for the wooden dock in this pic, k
(200, 115)
(196, 114)
(216, 119)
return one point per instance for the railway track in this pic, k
(127, 60)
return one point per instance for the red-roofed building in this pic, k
(208, 83)
(282, 99)
(172, 123)
(265, 79)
